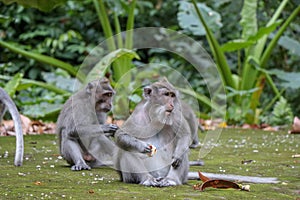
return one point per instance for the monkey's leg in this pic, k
(195, 142)
(132, 169)
(176, 176)
(102, 148)
(71, 151)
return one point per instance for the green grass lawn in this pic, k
(45, 176)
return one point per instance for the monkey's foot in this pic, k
(166, 182)
(79, 167)
(194, 145)
(88, 157)
(151, 181)
(159, 182)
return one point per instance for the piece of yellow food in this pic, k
(153, 150)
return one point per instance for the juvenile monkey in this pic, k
(156, 122)
(83, 134)
(7, 103)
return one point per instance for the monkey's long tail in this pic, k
(18, 128)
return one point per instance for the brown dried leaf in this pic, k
(37, 183)
(202, 177)
(91, 191)
(222, 184)
(25, 123)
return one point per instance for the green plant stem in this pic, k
(123, 65)
(219, 56)
(202, 98)
(272, 102)
(274, 41)
(130, 26)
(118, 31)
(261, 43)
(103, 18)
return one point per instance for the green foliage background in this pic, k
(71, 30)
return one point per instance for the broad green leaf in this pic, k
(4, 18)
(290, 44)
(264, 31)
(26, 83)
(41, 110)
(189, 21)
(290, 79)
(43, 5)
(241, 43)
(249, 20)
(236, 45)
(64, 82)
(44, 59)
(101, 67)
(233, 92)
(12, 85)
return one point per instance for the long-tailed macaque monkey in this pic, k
(154, 141)
(83, 134)
(6, 103)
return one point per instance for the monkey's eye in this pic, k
(108, 94)
(169, 94)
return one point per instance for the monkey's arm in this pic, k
(130, 143)
(182, 144)
(96, 129)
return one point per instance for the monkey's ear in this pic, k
(147, 92)
(89, 88)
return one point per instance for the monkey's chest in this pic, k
(164, 141)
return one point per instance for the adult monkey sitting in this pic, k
(156, 122)
(81, 126)
(6, 103)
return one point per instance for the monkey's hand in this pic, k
(109, 129)
(145, 148)
(176, 162)
(153, 150)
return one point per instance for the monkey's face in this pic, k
(104, 101)
(163, 102)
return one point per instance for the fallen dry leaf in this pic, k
(202, 177)
(91, 191)
(37, 183)
(221, 184)
(25, 123)
(28, 127)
